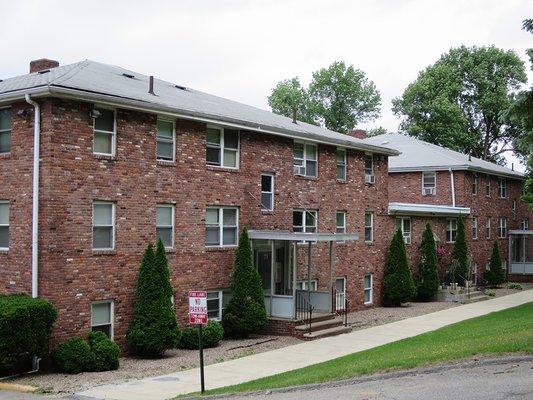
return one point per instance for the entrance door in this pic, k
(264, 266)
(340, 293)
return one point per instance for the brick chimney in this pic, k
(42, 65)
(357, 133)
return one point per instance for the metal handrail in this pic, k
(335, 295)
(304, 310)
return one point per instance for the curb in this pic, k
(15, 387)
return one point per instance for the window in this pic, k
(165, 140)
(525, 226)
(474, 183)
(102, 317)
(502, 190)
(514, 208)
(368, 291)
(404, 224)
(267, 192)
(474, 228)
(5, 130)
(103, 225)
(305, 159)
(165, 224)
(302, 285)
(369, 227)
(4, 225)
(222, 147)
(487, 185)
(369, 168)
(304, 221)
(487, 228)
(221, 225)
(104, 129)
(341, 164)
(429, 183)
(214, 305)
(451, 230)
(341, 224)
(502, 228)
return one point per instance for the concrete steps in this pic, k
(337, 330)
(331, 322)
(474, 297)
(322, 325)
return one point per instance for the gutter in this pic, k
(511, 174)
(35, 197)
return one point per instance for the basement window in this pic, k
(4, 225)
(102, 318)
(5, 130)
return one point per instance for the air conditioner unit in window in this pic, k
(407, 239)
(299, 170)
(428, 191)
(370, 179)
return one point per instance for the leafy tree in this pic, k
(398, 285)
(495, 275)
(290, 99)
(154, 328)
(245, 312)
(427, 280)
(457, 102)
(376, 131)
(339, 97)
(460, 251)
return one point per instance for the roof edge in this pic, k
(510, 174)
(437, 210)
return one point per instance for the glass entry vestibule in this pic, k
(521, 252)
(275, 257)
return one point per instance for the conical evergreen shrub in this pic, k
(427, 282)
(245, 312)
(154, 328)
(460, 252)
(495, 275)
(398, 285)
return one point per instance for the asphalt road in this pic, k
(509, 380)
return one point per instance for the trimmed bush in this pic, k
(515, 286)
(495, 275)
(460, 252)
(212, 334)
(105, 351)
(154, 328)
(25, 328)
(245, 312)
(427, 280)
(398, 285)
(73, 356)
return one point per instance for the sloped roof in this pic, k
(101, 83)
(417, 155)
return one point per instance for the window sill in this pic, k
(369, 243)
(222, 169)
(342, 181)
(220, 248)
(308, 178)
(4, 251)
(170, 250)
(97, 252)
(166, 163)
(5, 155)
(104, 157)
(267, 212)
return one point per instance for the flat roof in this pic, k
(300, 236)
(426, 209)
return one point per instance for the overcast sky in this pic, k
(241, 49)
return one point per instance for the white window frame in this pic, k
(8, 226)
(502, 188)
(271, 193)
(488, 188)
(171, 206)
(10, 130)
(113, 134)
(305, 158)
(111, 317)
(525, 224)
(221, 226)
(340, 228)
(474, 184)
(474, 228)
(371, 227)
(166, 140)
(113, 226)
(488, 228)
(302, 285)
(222, 147)
(502, 228)
(449, 228)
(405, 234)
(426, 187)
(341, 163)
(369, 289)
(220, 294)
(304, 225)
(369, 172)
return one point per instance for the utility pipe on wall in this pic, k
(453, 187)
(35, 197)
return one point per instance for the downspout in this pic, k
(453, 187)
(35, 197)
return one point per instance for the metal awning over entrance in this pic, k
(431, 210)
(301, 237)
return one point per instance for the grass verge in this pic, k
(508, 331)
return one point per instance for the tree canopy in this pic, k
(459, 102)
(338, 97)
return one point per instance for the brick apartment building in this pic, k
(429, 183)
(125, 159)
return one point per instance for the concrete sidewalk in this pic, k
(298, 356)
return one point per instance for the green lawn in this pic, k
(507, 331)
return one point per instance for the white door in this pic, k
(340, 293)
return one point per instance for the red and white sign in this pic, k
(197, 307)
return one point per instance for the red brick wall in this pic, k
(72, 275)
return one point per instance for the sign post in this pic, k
(198, 316)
